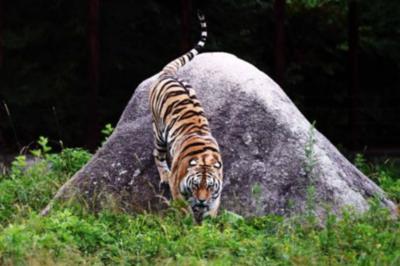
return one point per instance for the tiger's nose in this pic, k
(202, 201)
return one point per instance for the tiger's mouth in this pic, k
(200, 208)
(200, 211)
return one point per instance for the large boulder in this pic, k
(274, 160)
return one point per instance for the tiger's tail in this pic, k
(171, 68)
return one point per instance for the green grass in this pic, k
(69, 236)
(386, 173)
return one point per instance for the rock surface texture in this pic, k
(271, 154)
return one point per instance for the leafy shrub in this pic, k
(69, 160)
(30, 185)
(385, 173)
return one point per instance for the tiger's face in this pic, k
(202, 184)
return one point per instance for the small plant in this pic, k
(256, 191)
(390, 184)
(107, 131)
(309, 165)
(385, 173)
(361, 163)
(44, 148)
(311, 159)
(18, 166)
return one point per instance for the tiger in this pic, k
(187, 156)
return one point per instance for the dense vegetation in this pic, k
(70, 235)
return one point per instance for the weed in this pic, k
(256, 192)
(385, 173)
(309, 169)
(309, 152)
(43, 149)
(107, 131)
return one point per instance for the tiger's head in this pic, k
(202, 183)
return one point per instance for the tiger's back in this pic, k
(186, 154)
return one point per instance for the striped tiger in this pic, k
(187, 156)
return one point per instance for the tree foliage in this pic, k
(44, 78)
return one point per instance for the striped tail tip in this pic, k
(203, 37)
(200, 15)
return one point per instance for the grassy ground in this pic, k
(72, 236)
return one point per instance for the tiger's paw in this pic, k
(164, 189)
(163, 185)
(199, 213)
(164, 176)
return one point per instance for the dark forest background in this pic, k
(69, 67)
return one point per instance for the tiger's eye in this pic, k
(217, 165)
(196, 183)
(193, 162)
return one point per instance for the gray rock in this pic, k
(272, 156)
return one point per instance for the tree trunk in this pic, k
(354, 86)
(2, 141)
(93, 46)
(186, 9)
(1, 33)
(279, 14)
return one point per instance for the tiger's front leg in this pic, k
(174, 184)
(160, 158)
(214, 208)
